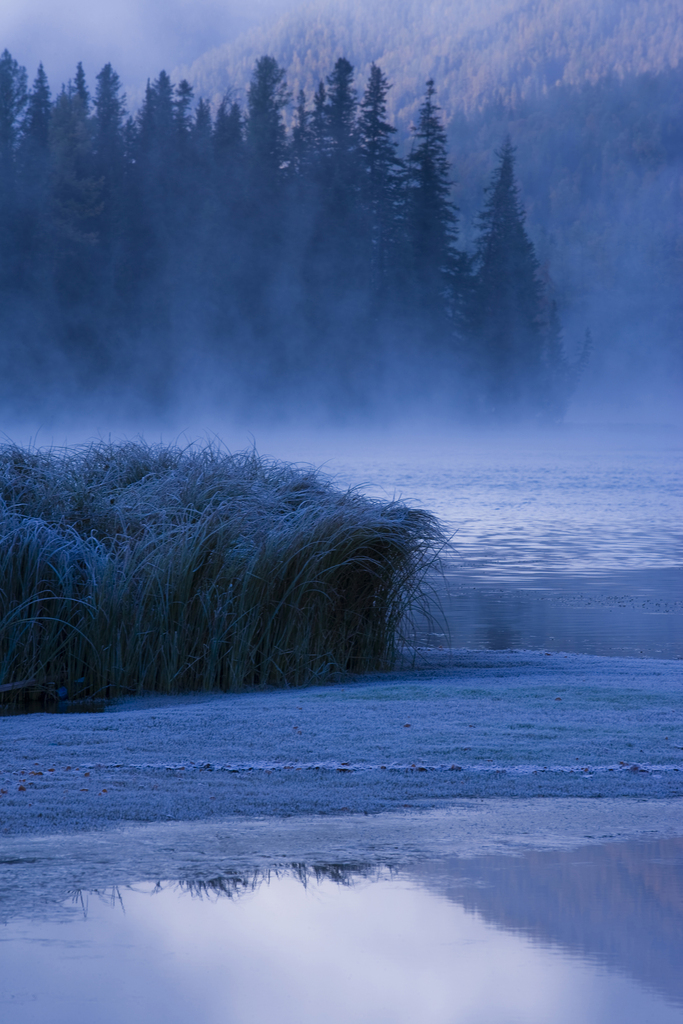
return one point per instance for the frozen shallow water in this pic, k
(591, 934)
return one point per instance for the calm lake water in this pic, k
(592, 936)
(566, 540)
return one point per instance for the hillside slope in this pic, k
(500, 50)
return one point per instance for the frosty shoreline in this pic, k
(473, 754)
(469, 725)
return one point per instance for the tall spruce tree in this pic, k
(508, 300)
(381, 178)
(343, 230)
(36, 126)
(13, 99)
(266, 143)
(182, 109)
(228, 151)
(263, 216)
(302, 137)
(202, 136)
(109, 150)
(342, 164)
(33, 206)
(76, 197)
(340, 110)
(34, 145)
(319, 134)
(430, 217)
(228, 130)
(80, 87)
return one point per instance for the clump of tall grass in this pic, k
(132, 567)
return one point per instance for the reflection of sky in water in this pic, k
(572, 501)
(488, 941)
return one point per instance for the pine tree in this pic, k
(430, 218)
(343, 164)
(182, 109)
(228, 130)
(265, 129)
(156, 124)
(302, 137)
(76, 206)
(340, 111)
(202, 134)
(109, 139)
(36, 125)
(109, 168)
(228, 151)
(319, 135)
(33, 213)
(507, 315)
(343, 233)
(75, 190)
(228, 231)
(81, 88)
(13, 99)
(382, 175)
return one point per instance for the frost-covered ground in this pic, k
(483, 725)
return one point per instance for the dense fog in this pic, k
(314, 237)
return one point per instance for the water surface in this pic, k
(568, 539)
(548, 937)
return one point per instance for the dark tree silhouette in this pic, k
(430, 215)
(265, 130)
(381, 179)
(305, 261)
(508, 308)
(81, 87)
(13, 98)
(36, 125)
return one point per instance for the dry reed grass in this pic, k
(133, 567)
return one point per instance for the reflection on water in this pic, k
(620, 905)
(566, 540)
(631, 615)
(592, 936)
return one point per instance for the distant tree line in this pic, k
(309, 259)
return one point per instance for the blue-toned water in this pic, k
(593, 935)
(569, 539)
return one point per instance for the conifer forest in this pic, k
(285, 242)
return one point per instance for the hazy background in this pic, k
(591, 92)
(139, 37)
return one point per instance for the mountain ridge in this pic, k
(503, 52)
